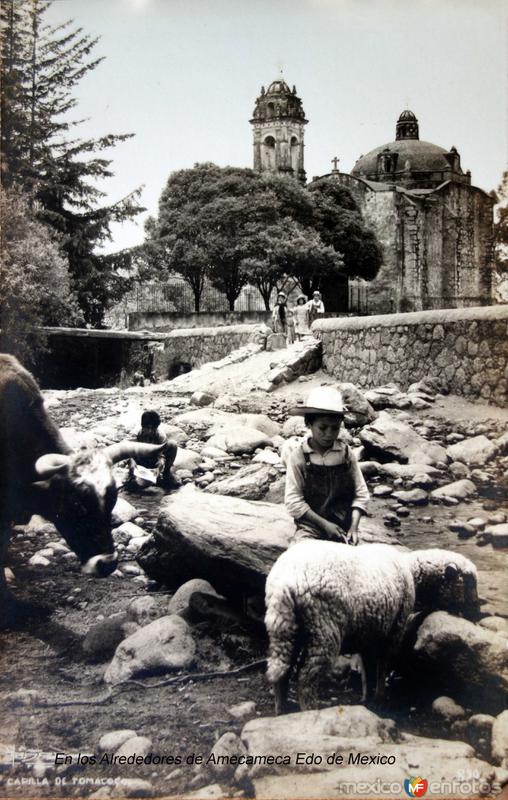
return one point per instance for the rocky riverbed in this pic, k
(437, 468)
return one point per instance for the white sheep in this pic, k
(324, 598)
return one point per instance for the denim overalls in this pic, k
(329, 491)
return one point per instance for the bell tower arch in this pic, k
(278, 129)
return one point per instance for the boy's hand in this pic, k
(334, 532)
(352, 535)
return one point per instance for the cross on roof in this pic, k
(335, 161)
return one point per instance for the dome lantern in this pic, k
(407, 126)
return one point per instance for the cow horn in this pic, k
(126, 449)
(50, 464)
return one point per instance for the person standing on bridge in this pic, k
(315, 307)
(279, 320)
(301, 314)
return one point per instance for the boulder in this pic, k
(242, 711)
(219, 760)
(497, 535)
(408, 471)
(474, 452)
(463, 529)
(112, 740)
(174, 432)
(275, 341)
(130, 787)
(143, 610)
(267, 457)
(447, 709)
(459, 470)
(123, 512)
(323, 731)
(186, 459)
(412, 497)
(164, 644)
(276, 492)
(229, 541)
(103, 637)
(358, 410)
(179, 603)
(239, 439)
(127, 531)
(497, 624)
(294, 426)
(464, 655)
(458, 490)
(479, 732)
(261, 422)
(391, 439)
(340, 735)
(382, 491)
(500, 739)
(250, 482)
(202, 399)
(135, 745)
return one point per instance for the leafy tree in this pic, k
(34, 279)
(235, 226)
(41, 65)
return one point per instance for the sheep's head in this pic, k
(445, 581)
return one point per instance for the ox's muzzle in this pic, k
(101, 566)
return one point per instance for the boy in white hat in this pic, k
(325, 490)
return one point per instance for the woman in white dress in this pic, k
(301, 315)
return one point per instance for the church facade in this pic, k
(435, 228)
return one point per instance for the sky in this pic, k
(183, 76)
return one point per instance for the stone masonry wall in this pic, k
(196, 346)
(468, 348)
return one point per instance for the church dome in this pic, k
(408, 161)
(278, 102)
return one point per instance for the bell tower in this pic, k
(278, 126)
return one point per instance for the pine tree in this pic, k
(41, 66)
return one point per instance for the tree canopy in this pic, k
(34, 278)
(42, 155)
(234, 226)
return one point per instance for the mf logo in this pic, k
(415, 787)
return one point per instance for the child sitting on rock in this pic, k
(161, 462)
(325, 490)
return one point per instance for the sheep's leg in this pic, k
(315, 663)
(280, 693)
(363, 677)
(379, 691)
(369, 675)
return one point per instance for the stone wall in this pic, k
(196, 346)
(436, 244)
(467, 348)
(173, 320)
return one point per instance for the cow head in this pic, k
(77, 492)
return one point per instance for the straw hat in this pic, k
(281, 294)
(323, 400)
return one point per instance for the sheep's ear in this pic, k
(451, 572)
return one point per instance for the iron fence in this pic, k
(177, 296)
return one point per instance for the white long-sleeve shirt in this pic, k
(295, 476)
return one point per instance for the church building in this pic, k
(435, 228)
